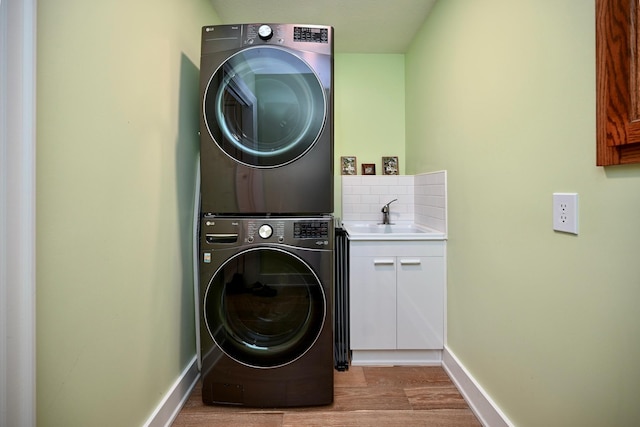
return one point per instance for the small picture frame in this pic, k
(368, 169)
(390, 165)
(348, 165)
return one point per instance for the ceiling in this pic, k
(360, 26)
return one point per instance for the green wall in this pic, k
(369, 111)
(117, 141)
(502, 95)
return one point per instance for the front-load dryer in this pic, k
(266, 336)
(266, 122)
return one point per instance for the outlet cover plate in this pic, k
(565, 212)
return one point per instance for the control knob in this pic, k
(265, 231)
(265, 32)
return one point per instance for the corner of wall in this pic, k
(175, 398)
(478, 399)
(431, 200)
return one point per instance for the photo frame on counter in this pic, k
(348, 165)
(368, 169)
(390, 165)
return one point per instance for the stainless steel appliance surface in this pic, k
(266, 284)
(266, 122)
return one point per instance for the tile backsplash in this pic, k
(430, 200)
(421, 198)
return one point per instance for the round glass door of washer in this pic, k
(264, 307)
(264, 107)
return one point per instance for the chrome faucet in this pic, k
(385, 212)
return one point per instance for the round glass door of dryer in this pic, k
(264, 307)
(264, 107)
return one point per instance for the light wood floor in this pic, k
(363, 396)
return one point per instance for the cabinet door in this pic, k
(372, 303)
(420, 294)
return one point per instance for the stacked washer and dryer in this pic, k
(266, 233)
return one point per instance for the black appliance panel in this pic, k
(266, 298)
(266, 122)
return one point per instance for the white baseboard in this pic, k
(396, 357)
(175, 398)
(479, 401)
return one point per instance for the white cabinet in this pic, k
(396, 301)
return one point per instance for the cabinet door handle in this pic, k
(387, 261)
(410, 262)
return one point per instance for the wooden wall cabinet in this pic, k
(617, 82)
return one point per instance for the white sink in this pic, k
(386, 228)
(399, 231)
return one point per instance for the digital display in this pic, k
(311, 230)
(311, 35)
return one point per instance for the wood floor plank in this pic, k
(229, 419)
(370, 398)
(438, 418)
(435, 397)
(354, 377)
(406, 376)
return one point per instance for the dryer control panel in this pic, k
(288, 35)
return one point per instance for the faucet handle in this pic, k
(385, 208)
(387, 205)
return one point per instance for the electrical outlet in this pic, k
(565, 212)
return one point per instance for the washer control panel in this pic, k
(310, 232)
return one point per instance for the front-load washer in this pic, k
(266, 336)
(266, 122)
